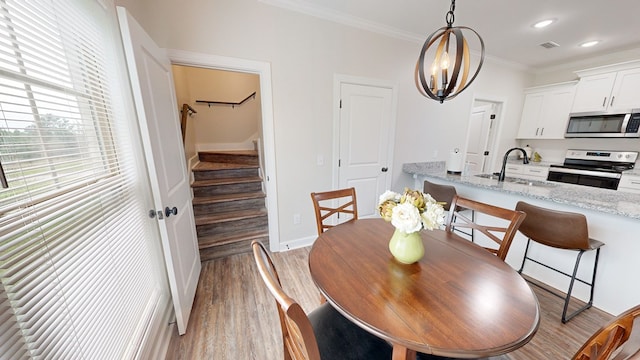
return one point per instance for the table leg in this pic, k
(402, 353)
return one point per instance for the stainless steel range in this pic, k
(595, 168)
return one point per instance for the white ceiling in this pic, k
(505, 25)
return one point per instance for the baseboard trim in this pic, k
(297, 243)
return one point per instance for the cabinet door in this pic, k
(555, 113)
(592, 92)
(535, 172)
(629, 183)
(625, 91)
(531, 113)
(513, 170)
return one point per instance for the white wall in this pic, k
(220, 126)
(305, 53)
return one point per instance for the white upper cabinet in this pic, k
(604, 90)
(546, 111)
(624, 95)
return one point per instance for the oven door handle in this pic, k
(586, 172)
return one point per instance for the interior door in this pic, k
(478, 138)
(159, 121)
(366, 118)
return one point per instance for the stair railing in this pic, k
(233, 104)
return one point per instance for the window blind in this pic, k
(78, 278)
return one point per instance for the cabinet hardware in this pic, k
(604, 102)
(612, 98)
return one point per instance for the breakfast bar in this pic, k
(613, 218)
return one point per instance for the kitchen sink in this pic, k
(515, 180)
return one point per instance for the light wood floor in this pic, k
(234, 316)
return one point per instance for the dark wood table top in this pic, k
(459, 300)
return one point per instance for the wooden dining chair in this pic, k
(501, 235)
(445, 193)
(322, 334)
(562, 230)
(334, 207)
(614, 341)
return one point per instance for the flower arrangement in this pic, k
(412, 211)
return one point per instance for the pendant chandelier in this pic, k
(440, 47)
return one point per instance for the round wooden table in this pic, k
(459, 300)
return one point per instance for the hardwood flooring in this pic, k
(234, 316)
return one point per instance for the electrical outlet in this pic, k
(296, 219)
(435, 154)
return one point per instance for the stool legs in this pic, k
(566, 318)
(573, 276)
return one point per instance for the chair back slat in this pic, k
(501, 235)
(326, 210)
(616, 339)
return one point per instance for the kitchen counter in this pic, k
(602, 200)
(612, 217)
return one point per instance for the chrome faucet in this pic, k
(525, 160)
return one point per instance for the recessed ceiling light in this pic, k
(543, 23)
(589, 43)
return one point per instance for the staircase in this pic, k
(229, 203)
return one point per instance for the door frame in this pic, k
(338, 80)
(263, 70)
(493, 145)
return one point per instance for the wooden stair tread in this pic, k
(229, 216)
(217, 240)
(225, 181)
(201, 200)
(230, 152)
(212, 166)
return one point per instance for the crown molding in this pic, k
(344, 19)
(367, 25)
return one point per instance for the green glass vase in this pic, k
(406, 248)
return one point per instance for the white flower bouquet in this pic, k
(412, 211)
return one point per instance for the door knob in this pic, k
(168, 212)
(384, 169)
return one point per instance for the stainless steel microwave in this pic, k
(626, 125)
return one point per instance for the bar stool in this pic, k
(562, 230)
(445, 193)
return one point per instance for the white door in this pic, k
(365, 141)
(478, 138)
(159, 121)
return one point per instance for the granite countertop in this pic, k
(603, 200)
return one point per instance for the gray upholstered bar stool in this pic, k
(562, 230)
(445, 193)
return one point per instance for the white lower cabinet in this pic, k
(629, 183)
(533, 172)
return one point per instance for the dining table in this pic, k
(459, 300)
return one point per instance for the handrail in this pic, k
(233, 104)
(186, 111)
